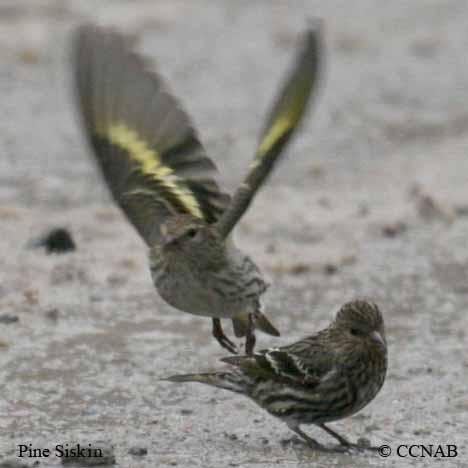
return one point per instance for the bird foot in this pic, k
(362, 447)
(362, 444)
(313, 444)
(324, 448)
(348, 448)
(222, 339)
(226, 343)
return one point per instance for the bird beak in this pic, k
(169, 242)
(377, 337)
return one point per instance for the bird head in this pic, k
(362, 321)
(191, 238)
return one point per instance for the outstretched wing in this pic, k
(287, 364)
(283, 120)
(145, 144)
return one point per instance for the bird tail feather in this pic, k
(225, 380)
(263, 324)
(241, 324)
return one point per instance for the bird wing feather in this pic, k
(144, 142)
(291, 363)
(283, 119)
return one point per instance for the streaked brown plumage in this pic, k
(159, 174)
(323, 378)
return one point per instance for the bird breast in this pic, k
(211, 294)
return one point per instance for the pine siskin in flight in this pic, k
(159, 174)
(320, 379)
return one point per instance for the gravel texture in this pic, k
(372, 200)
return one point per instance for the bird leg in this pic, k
(312, 443)
(250, 337)
(222, 339)
(337, 436)
(343, 441)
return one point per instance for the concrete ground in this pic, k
(371, 200)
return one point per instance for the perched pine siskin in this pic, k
(159, 174)
(322, 378)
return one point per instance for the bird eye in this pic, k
(355, 332)
(191, 233)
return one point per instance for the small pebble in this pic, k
(7, 319)
(57, 240)
(363, 442)
(31, 296)
(138, 451)
(291, 441)
(372, 427)
(52, 314)
(270, 248)
(29, 56)
(330, 269)
(299, 268)
(363, 210)
(461, 210)
(430, 209)
(394, 229)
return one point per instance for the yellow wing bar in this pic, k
(279, 129)
(286, 121)
(284, 118)
(150, 164)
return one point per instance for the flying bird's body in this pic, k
(323, 378)
(159, 174)
(217, 288)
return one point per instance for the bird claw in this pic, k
(222, 339)
(334, 449)
(361, 447)
(313, 444)
(343, 448)
(350, 447)
(226, 343)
